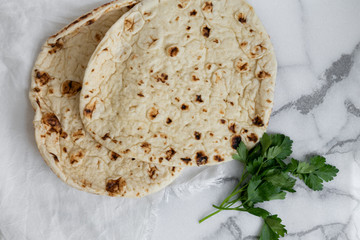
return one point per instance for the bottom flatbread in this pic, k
(66, 147)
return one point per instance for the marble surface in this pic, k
(317, 103)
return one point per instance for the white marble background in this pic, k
(317, 104)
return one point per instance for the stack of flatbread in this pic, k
(130, 93)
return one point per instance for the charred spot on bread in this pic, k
(201, 158)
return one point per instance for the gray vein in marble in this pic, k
(284, 107)
(327, 230)
(338, 71)
(356, 226)
(331, 231)
(323, 194)
(227, 179)
(231, 227)
(1, 236)
(303, 19)
(318, 132)
(341, 144)
(350, 107)
(251, 238)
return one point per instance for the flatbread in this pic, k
(66, 147)
(181, 82)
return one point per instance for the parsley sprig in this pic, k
(267, 176)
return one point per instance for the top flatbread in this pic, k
(63, 142)
(181, 82)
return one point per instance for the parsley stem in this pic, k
(236, 191)
(233, 201)
(260, 167)
(216, 212)
(227, 208)
(243, 176)
(230, 204)
(210, 215)
(238, 208)
(226, 204)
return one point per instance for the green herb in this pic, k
(267, 176)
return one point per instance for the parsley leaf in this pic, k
(313, 182)
(327, 172)
(304, 168)
(254, 153)
(284, 142)
(265, 142)
(317, 161)
(260, 212)
(267, 233)
(324, 171)
(273, 152)
(252, 190)
(292, 166)
(280, 179)
(253, 166)
(313, 173)
(261, 191)
(242, 153)
(272, 228)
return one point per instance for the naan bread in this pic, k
(66, 147)
(181, 82)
